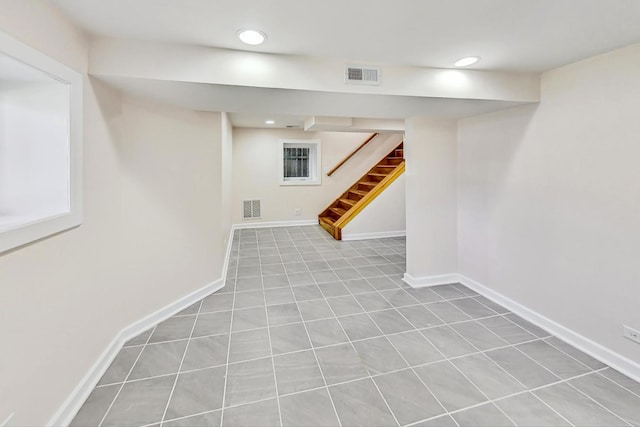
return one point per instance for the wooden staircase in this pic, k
(337, 215)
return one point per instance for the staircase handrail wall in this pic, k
(343, 161)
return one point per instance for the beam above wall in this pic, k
(240, 81)
(352, 124)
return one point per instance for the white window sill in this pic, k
(288, 183)
(8, 222)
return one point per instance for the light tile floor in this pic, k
(313, 332)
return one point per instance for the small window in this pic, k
(40, 145)
(300, 162)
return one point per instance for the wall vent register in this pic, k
(251, 209)
(355, 74)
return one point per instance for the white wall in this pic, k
(255, 171)
(549, 198)
(430, 152)
(385, 216)
(148, 236)
(226, 165)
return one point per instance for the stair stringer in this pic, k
(335, 228)
(366, 200)
(385, 216)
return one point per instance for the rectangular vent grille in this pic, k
(250, 209)
(362, 75)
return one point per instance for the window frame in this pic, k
(315, 161)
(27, 232)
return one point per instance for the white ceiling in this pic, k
(513, 35)
(509, 35)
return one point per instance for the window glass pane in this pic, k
(296, 162)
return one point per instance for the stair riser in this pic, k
(343, 205)
(383, 169)
(392, 162)
(327, 227)
(334, 216)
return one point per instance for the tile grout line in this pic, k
(452, 364)
(273, 363)
(500, 314)
(356, 352)
(464, 355)
(570, 385)
(233, 304)
(481, 352)
(175, 382)
(315, 355)
(457, 357)
(570, 356)
(530, 391)
(493, 361)
(358, 251)
(539, 399)
(615, 382)
(329, 346)
(503, 369)
(127, 376)
(393, 307)
(322, 347)
(410, 367)
(170, 420)
(567, 354)
(599, 404)
(352, 346)
(326, 318)
(557, 376)
(391, 372)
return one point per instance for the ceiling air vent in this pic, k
(360, 75)
(250, 209)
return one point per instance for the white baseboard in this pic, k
(592, 348)
(422, 282)
(227, 255)
(378, 235)
(76, 399)
(275, 224)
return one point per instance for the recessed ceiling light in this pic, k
(252, 37)
(269, 122)
(465, 62)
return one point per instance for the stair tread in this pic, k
(327, 219)
(360, 192)
(377, 174)
(370, 183)
(339, 211)
(349, 202)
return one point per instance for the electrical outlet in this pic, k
(631, 333)
(298, 211)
